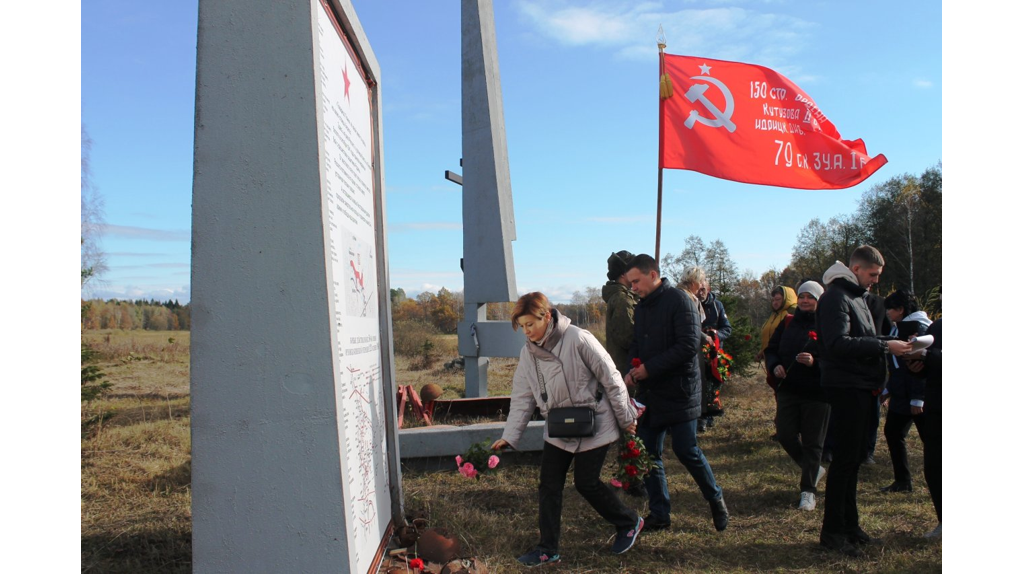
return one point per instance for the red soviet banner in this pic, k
(750, 124)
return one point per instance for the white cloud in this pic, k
(728, 33)
(922, 83)
(556, 293)
(182, 294)
(131, 232)
(151, 266)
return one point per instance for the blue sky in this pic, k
(579, 80)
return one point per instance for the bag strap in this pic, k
(544, 388)
(540, 377)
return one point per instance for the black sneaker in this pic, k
(860, 538)
(625, 540)
(845, 548)
(538, 557)
(719, 514)
(840, 545)
(652, 523)
(870, 459)
(899, 487)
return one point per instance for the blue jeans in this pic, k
(684, 444)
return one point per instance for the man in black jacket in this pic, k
(853, 370)
(667, 340)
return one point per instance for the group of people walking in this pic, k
(829, 359)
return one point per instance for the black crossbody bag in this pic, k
(567, 422)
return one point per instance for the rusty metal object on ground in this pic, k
(437, 545)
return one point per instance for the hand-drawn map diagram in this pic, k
(347, 188)
(361, 278)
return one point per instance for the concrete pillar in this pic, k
(277, 467)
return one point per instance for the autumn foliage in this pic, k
(140, 314)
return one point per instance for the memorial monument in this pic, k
(294, 451)
(488, 222)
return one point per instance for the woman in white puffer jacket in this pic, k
(562, 365)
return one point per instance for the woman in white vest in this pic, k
(562, 365)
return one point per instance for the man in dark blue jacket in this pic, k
(853, 371)
(667, 340)
(715, 323)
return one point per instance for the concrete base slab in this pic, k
(445, 441)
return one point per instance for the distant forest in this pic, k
(151, 315)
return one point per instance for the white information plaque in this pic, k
(347, 185)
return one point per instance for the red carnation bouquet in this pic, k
(634, 462)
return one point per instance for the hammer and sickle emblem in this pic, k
(721, 117)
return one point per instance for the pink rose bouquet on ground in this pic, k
(479, 459)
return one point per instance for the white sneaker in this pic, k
(937, 533)
(821, 475)
(806, 501)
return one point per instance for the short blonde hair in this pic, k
(535, 304)
(694, 276)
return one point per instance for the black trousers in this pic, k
(897, 427)
(800, 423)
(554, 467)
(853, 410)
(929, 426)
(872, 429)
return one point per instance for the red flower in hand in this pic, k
(631, 445)
(416, 564)
(746, 337)
(812, 335)
(636, 363)
(631, 470)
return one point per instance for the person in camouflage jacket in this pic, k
(618, 330)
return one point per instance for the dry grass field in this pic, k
(136, 497)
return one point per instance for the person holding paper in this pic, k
(904, 393)
(853, 369)
(928, 363)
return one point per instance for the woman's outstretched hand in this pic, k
(500, 444)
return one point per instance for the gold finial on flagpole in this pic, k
(665, 83)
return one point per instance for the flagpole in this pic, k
(662, 43)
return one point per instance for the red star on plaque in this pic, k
(347, 82)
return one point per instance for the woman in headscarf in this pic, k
(562, 365)
(783, 303)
